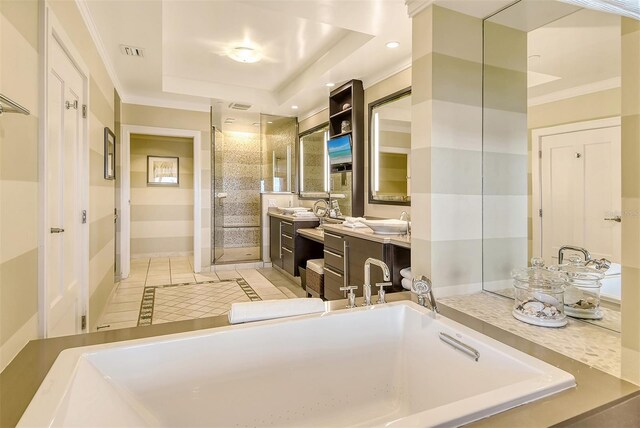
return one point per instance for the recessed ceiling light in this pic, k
(393, 45)
(330, 85)
(245, 54)
(256, 123)
(269, 122)
(294, 107)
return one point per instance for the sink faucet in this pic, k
(587, 255)
(423, 287)
(404, 216)
(367, 277)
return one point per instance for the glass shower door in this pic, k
(218, 196)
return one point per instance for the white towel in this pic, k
(304, 214)
(614, 269)
(406, 283)
(353, 222)
(269, 309)
(406, 273)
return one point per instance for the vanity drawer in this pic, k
(332, 282)
(334, 260)
(288, 263)
(333, 242)
(287, 227)
(287, 240)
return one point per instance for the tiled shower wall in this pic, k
(241, 181)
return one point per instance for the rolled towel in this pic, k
(270, 309)
(406, 273)
(406, 283)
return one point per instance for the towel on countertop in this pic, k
(353, 222)
(270, 309)
(406, 273)
(614, 269)
(406, 283)
(304, 214)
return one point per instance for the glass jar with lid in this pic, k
(539, 295)
(582, 295)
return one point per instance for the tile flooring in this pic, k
(188, 301)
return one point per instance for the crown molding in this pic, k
(414, 7)
(97, 41)
(576, 91)
(172, 104)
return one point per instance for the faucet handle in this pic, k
(351, 296)
(381, 291)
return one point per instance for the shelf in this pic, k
(340, 134)
(341, 112)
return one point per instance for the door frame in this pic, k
(51, 27)
(536, 167)
(125, 190)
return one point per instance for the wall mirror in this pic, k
(278, 138)
(390, 149)
(551, 144)
(313, 163)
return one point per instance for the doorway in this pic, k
(130, 132)
(577, 191)
(64, 149)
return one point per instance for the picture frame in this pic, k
(163, 170)
(109, 154)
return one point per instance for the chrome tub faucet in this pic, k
(423, 287)
(367, 277)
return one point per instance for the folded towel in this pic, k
(614, 269)
(406, 283)
(406, 273)
(353, 225)
(269, 309)
(353, 219)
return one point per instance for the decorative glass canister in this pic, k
(539, 295)
(582, 295)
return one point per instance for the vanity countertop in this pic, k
(313, 234)
(596, 395)
(291, 217)
(366, 233)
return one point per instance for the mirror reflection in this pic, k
(313, 167)
(552, 150)
(390, 148)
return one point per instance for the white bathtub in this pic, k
(382, 365)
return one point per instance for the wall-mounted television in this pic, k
(340, 154)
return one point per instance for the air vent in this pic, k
(230, 120)
(131, 51)
(239, 106)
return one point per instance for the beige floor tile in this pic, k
(123, 307)
(123, 316)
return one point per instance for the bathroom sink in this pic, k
(387, 227)
(292, 210)
(383, 365)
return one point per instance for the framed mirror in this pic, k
(313, 165)
(552, 167)
(390, 149)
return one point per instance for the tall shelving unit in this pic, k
(351, 93)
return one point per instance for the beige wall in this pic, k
(133, 114)
(161, 216)
(19, 52)
(18, 179)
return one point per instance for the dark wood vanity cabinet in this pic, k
(344, 258)
(286, 249)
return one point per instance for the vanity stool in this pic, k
(315, 278)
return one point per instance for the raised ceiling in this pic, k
(304, 44)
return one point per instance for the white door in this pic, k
(63, 258)
(581, 192)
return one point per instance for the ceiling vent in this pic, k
(230, 120)
(240, 106)
(131, 51)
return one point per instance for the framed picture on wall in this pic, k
(109, 155)
(163, 170)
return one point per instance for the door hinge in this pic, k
(539, 154)
(84, 216)
(83, 322)
(540, 212)
(84, 111)
(71, 104)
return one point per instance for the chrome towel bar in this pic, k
(14, 107)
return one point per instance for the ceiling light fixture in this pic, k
(392, 45)
(269, 122)
(294, 107)
(330, 85)
(245, 54)
(256, 123)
